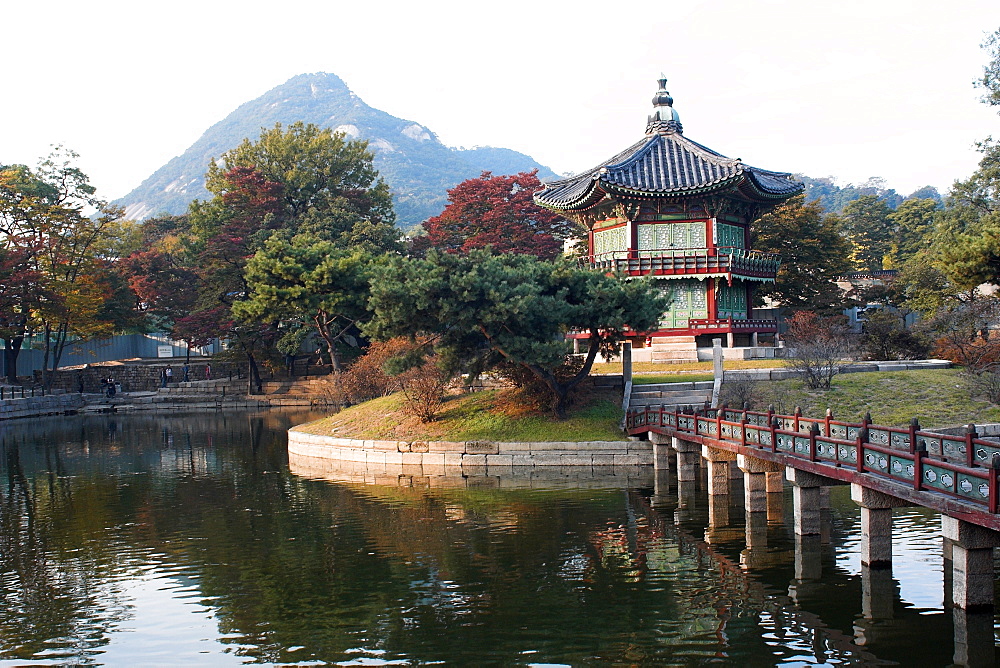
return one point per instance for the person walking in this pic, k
(208, 371)
(168, 375)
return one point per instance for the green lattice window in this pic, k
(613, 241)
(731, 302)
(729, 236)
(660, 236)
(688, 300)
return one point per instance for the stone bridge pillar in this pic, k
(662, 453)
(718, 469)
(971, 563)
(688, 460)
(808, 500)
(876, 525)
(755, 472)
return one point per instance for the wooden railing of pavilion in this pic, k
(689, 261)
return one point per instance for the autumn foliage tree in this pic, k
(62, 242)
(497, 211)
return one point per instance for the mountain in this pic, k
(417, 166)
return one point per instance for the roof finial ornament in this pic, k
(664, 119)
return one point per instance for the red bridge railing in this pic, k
(966, 467)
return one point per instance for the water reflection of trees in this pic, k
(589, 576)
(48, 592)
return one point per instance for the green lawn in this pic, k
(482, 416)
(936, 397)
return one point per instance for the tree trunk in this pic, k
(12, 348)
(324, 331)
(560, 391)
(255, 386)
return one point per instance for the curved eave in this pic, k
(767, 193)
(588, 198)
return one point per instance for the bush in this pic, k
(884, 337)
(985, 384)
(424, 387)
(366, 378)
(821, 347)
(965, 336)
(756, 395)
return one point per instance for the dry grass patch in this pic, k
(494, 415)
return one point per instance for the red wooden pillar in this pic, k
(710, 302)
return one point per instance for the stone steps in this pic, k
(671, 395)
(674, 349)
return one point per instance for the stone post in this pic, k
(972, 563)
(717, 371)
(718, 469)
(662, 451)
(755, 472)
(876, 525)
(805, 494)
(688, 455)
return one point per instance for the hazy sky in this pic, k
(850, 89)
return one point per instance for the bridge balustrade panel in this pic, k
(966, 467)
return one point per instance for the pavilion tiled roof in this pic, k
(665, 163)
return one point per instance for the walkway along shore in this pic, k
(195, 395)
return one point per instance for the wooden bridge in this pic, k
(887, 467)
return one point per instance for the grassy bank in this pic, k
(486, 416)
(936, 397)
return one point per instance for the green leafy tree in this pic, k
(866, 224)
(913, 222)
(990, 81)
(308, 282)
(516, 307)
(813, 254)
(300, 180)
(328, 186)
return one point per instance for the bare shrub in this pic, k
(966, 335)
(822, 348)
(985, 384)
(757, 395)
(366, 378)
(424, 387)
(885, 337)
(741, 392)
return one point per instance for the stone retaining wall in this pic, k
(465, 454)
(51, 404)
(502, 477)
(857, 367)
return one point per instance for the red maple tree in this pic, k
(497, 211)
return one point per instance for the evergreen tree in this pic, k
(866, 224)
(812, 251)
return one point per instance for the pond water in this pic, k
(185, 539)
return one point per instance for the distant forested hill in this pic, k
(834, 198)
(417, 166)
